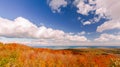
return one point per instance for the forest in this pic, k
(19, 55)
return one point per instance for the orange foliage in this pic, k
(18, 55)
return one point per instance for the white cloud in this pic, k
(16, 40)
(87, 23)
(109, 8)
(57, 4)
(16, 28)
(82, 33)
(113, 24)
(104, 9)
(23, 28)
(83, 8)
(108, 37)
(118, 33)
(52, 42)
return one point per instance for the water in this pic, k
(73, 47)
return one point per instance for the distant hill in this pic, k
(19, 55)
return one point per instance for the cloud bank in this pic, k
(108, 37)
(23, 28)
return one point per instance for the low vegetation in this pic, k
(18, 55)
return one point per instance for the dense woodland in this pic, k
(18, 55)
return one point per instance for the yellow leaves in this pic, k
(1, 44)
(9, 60)
(115, 62)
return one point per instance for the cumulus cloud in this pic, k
(23, 28)
(87, 23)
(84, 8)
(109, 8)
(57, 4)
(113, 24)
(104, 9)
(20, 27)
(82, 33)
(108, 37)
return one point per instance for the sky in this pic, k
(60, 22)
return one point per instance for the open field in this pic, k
(18, 55)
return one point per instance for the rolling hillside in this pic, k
(18, 55)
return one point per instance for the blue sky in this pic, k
(77, 19)
(38, 11)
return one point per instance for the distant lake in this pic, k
(73, 47)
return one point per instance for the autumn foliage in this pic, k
(18, 55)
